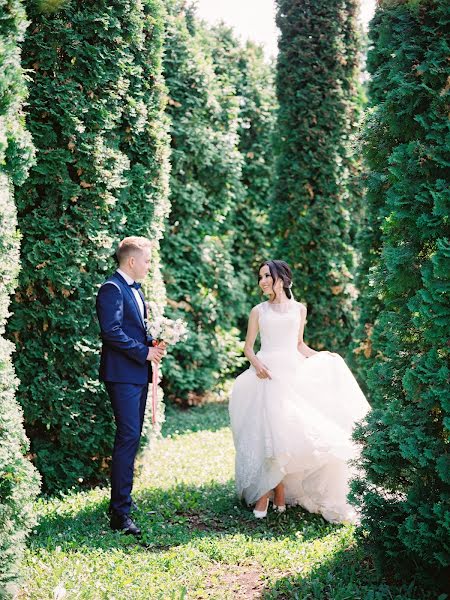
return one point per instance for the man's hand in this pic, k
(155, 354)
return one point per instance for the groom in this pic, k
(125, 367)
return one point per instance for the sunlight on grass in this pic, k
(198, 540)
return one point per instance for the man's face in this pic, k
(140, 263)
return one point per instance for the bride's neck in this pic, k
(279, 298)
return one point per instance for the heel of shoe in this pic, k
(261, 514)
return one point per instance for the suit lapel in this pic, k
(143, 302)
(133, 297)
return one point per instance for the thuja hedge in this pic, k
(204, 187)
(95, 113)
(404, 490)
(252, 75)
(376, 141)
(253, 237)
(315, 200)
(19, 482)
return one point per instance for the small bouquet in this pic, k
(163, 331)
(169, 331)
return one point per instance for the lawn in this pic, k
(198, 541)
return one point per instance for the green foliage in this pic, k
(221, 105)
(377, 141)
(317, 200)
(252, 77)
(16, 148)
(253, 234)
(96, 103)
(19, 482)
(50, 6)
(404, 493)
(205, 186)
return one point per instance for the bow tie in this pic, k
(135, 285)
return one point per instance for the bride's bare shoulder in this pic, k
(302, 307)
(257, 308)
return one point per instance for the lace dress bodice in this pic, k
(279, 326)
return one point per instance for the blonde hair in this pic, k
(131, 245)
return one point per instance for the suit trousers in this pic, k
(128, 402)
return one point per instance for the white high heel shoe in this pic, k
(261, 514)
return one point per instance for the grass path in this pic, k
(198, 541)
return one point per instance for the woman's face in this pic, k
(266, 282)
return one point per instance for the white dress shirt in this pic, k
(130, 280)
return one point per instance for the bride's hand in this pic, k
(262, 372)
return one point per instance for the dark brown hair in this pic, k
(279, 270)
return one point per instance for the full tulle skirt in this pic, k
(296, 429)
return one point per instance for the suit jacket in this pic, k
(125, 340)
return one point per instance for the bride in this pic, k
(292, 412)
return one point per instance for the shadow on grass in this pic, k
(209, 417)
(171, 517)
(348, 575)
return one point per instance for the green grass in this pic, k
(199, 541)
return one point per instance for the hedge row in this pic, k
(404, 491)
(96, 115)
(19, 482)
(221, 112)
(316, 200)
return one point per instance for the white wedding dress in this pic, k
(296, 427)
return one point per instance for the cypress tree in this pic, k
(19, 482)
(376, 144)
(252, 232)
(315, 202)
(205, 185)
(96, 103)
(253, 78)
(404, 493)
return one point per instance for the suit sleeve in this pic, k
(110, 316)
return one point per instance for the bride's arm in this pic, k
(301, 346)
(252, 331)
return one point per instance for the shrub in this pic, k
(205, 186)
(316, 200)
(96, 103)
(19, 482)
(246, 69)
(404, 491)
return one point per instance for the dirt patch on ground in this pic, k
(240, 582)
(200, 523)
(196, 522)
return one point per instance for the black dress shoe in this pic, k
(124, 524)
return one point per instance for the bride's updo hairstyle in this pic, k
(279, 270)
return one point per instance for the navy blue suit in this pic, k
(126, 372)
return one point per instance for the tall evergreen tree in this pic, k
(96, 103)
(404, 493)
(315, 203)
(19, 482)
(376, 141)
(246, 69)
(205, 185)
